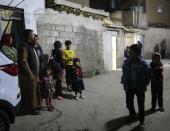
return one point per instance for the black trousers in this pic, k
(157, 93)
(69, 69)
(58, 88)
(163, 53)
(130, 94)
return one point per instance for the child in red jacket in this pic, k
(157, 82)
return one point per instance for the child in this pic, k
(77, 79)
(157, 81)
(68, 56)
(49, 84)
(57, 54)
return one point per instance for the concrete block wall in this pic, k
(86, 42)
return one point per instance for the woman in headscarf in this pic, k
(7, 48)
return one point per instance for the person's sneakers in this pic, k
(50, 109)
(35, 112)
(142, 125)
(132, 113)
(40, 108)
(60, 98)
(82, 96)
(76, 98)
(152, 109)
(161, 109)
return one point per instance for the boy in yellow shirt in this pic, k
(69, 55)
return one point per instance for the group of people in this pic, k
(39, 79)
(137, 75)
(161, 49)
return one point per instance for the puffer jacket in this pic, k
(143, 75)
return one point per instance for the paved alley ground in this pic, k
(103, 109)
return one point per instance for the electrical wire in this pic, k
(20, 3)
(10, 2)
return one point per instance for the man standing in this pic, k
(135, 80)
(163, 48)
(29, 74)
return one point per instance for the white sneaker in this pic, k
(82, 96)
(76, 98)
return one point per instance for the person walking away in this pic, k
(57, 54)
(7, 48)
(156, 49)
(28, 74)
(49, 84)
(163, 48)
(69, 55)
(40, 54)
(77, 79)
(135, 79)
(157, 82)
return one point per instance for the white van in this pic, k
(9, 92)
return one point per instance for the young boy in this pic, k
(157, 82)
(135, 80)
(69, 55)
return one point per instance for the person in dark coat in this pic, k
(135, 79)
(29, 74)
(40, 54)
(77, 79)
(157, 82)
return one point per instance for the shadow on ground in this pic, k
(118, 123)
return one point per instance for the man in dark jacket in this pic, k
(135, 80)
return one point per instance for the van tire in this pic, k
(4, 121)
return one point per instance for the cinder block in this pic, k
(50, 27)
(78, 41)
(59, 27)
(76, 29)
(72, 35)
(50, 40)
(68, 28)
(64, 34)
(54, 33)
(44, 33)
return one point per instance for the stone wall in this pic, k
(154, 36)
(87, 43)
(85, 34)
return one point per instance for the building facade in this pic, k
(94, 43)
(147, 21)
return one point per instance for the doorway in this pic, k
(114, 42)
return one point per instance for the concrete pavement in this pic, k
(103, 109)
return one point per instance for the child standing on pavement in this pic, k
(49, 84)
(77, 79)
(157, 82)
